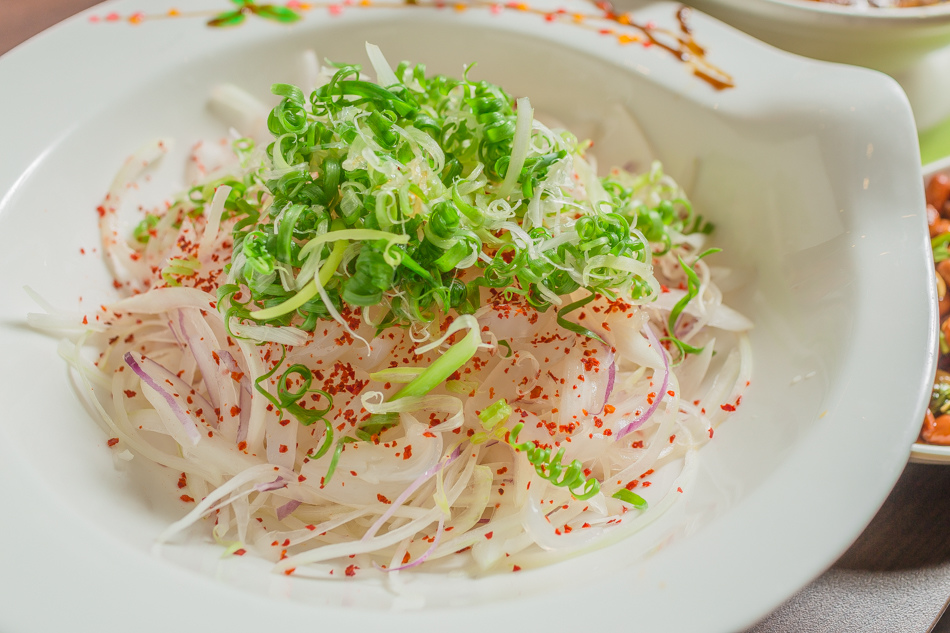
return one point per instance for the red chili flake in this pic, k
(727, 407)
(235, 411)
(183, 480)
(240, 552)
(633, 484)
(85, 320)
(516, 568)
(382, 499)
(407, 452)
(242, 446)
(488, 535)
(289, 570)
(646, 484)
(351, 570)
(586, 525)
(311, 527)
(609, 408)
(710, 432)
(187, 499)
(671, 393)
(113, 441)
(285, 422)
(283, 448)
(405, 558)
(678, 489)
(672, 438)
(301, 478)
(647, 473)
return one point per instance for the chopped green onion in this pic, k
(574, 327)
(446, 364)
(692, 289)
(495, 414)
(632, 498)
(552, 469)
(422, 184)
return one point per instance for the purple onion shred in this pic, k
(204, 366)
(277, 484)
(435, 543)
(245, 398)
(443, 463)
(284, 511)
(191, 429)
(611, 377)
(639, 421)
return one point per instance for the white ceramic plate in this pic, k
(814, 199)
(930, 453)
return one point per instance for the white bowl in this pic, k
(814, 199)
(901, 42)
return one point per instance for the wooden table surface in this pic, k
(896, 576)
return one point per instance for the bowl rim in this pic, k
(931, 13)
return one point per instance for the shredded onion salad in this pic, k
(415, 330)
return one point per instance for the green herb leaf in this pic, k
(275, 13)
(228, 18)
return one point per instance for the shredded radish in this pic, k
(492, 440)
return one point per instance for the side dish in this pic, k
(936, 428)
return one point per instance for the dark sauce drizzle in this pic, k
(681, 45)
